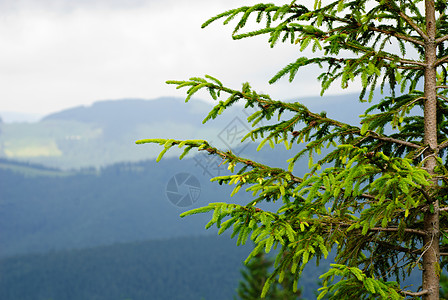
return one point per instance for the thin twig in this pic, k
(415, 294)
(395, 229)
(392, 140)
(441, 60)
(406, 61)
(397, 35)
(443, 97)
(426, 250)
(443, 145)
(421, 152)
(442, 39)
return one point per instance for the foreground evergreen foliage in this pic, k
(255, 275)
(382, 204)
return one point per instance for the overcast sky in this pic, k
(57, 54)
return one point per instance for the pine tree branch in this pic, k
(392, 140)
(248, 162)
(394, 9)
(395, 229)
(444, 209)
(415, 294)
(380, 229)
(404, 61)
(376, 29)
(408, 67)
(373, 229)
(442, 145)
(441, 60)
(383, 55)
(426, 196)
(203, 145)
(397, 35)
(441, 39)
(442, 97)
(296, 107)
(289, 106)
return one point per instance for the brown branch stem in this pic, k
(415, 294)
(392, 140)
(442, 145)
(395, 229)
(441, 39)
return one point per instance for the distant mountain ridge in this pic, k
(105, 132)
(135, 111)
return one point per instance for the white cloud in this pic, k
(56, 55)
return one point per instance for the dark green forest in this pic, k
(184, 268)
(206, 267)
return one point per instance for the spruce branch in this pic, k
(441, 60)
(390, 32)
(375, 135)
(396, 229)
(415, 294)
(442, 97)
(441, 39)
(395, 9)
(442, 145)
(357, 47)
(397, 35)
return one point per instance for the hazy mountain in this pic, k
(105, 132)
(16, 117)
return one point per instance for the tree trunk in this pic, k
(431, 256)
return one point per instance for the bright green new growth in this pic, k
(382, 205)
